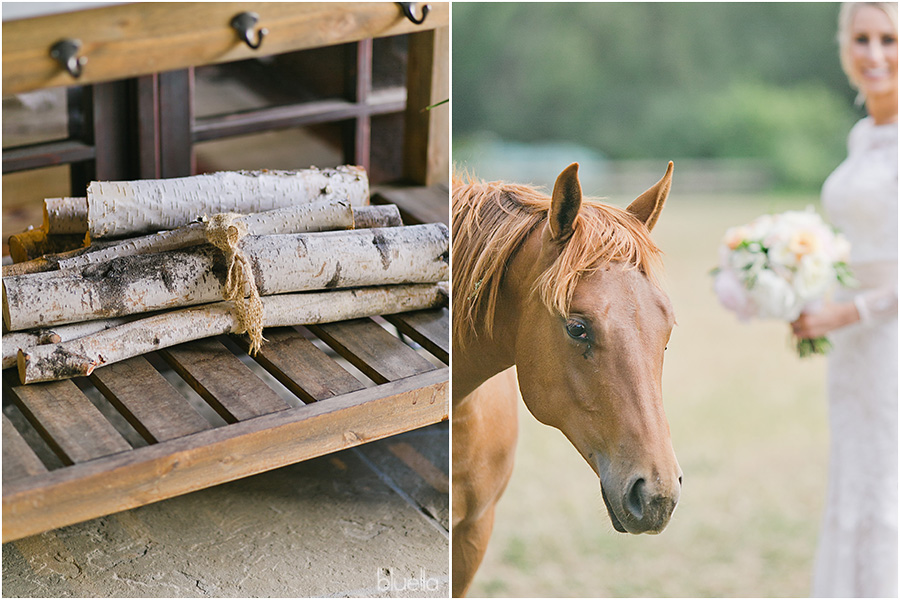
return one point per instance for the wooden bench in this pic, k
(204, 413)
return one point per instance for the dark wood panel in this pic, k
(66, 419)
(295, 115)
(45, 154)
(147, 400)
(301, 367)
(372, 350)
(19, 460)
(428, 328)
(223, 380)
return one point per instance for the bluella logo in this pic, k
(388, 582)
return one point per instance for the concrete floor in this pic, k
(367, 522)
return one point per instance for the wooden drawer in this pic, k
(137, 39)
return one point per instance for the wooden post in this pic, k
(427, 143)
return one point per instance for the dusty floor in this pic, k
(366, 522)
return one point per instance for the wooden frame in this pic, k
(150, 442)
(158, 104)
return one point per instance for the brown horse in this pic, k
(563, 289)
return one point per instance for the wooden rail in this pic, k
(134, 39)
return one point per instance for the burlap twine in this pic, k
(226, 233)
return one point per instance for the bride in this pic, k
(857, 554)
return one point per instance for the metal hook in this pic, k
(244, 24)
(409, 12)
(65, 52)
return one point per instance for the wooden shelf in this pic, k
(126, 436)
(102, 472)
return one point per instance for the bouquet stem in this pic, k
(812, 346)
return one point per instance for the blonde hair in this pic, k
(490, 223)
(845, 22)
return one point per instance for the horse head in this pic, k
(589, 349)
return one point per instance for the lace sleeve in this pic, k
(878, 304)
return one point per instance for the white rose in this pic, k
(749, 260)
(840, 249)
(814, 276)
(761, 227)
(775, 297)
(780, 253)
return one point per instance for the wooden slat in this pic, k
(301, 367)
(207, 458)
(372, 350)
(45, 154)
(428, 328)
(134, 39)
(66, 419)
(148, 401)
(19, 460)
(415, 473)
(223, 380)
(295, 115)
(417, 204)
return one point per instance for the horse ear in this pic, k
(649, 204)
(565, 204)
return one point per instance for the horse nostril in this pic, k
(634, 499)
(679, 481)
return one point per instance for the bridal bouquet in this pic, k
(778, 266)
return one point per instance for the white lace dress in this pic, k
(857, 554)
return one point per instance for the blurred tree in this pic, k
(644, 80)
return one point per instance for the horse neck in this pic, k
(481, 358)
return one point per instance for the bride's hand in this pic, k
(826, 319)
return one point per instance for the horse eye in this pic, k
(576, 329)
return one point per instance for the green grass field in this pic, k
(749, 425)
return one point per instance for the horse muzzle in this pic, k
(642, 507)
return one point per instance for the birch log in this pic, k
(13, 342)
(50, 262)
(65, 215)
(302, 218)
(35, 242)
(281, 264)
(81, 356)
(121, 208)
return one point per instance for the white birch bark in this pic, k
(50, 262)
(364, 217)
(65, 215)
(302, 218)
(81, 356)
(13, 342)
(121, 208)
(281, 264)
(382, 215)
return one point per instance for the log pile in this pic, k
(171, 261)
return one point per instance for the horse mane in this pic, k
(490, 223)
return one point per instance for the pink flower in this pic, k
(733, 295)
